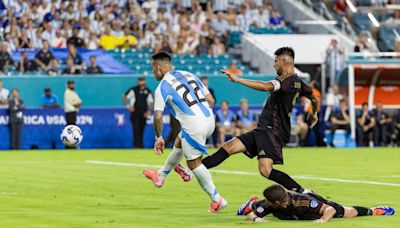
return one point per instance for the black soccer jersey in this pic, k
(277, 110)
(300, 207)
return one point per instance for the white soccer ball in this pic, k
(71, 136)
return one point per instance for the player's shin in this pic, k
(173, 159)
(285, 180)
(363, 211)
(204, 178)
(215, 159)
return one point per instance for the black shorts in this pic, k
(339, 208)
(263, 144)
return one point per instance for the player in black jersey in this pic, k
(295, 206)
(273, 128)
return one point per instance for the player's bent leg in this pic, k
(158, 176)
(350, 212)
(182, 171)
(266, 170)
(229, 148)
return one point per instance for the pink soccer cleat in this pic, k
(183, 172)
(153, 176)
(215, 207)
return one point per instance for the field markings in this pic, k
(8, 193)
(310, 177)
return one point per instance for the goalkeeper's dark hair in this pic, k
(285, 51)
(161, 56)
(275, 193)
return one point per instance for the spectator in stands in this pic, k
(44, 56)
(262, 18)
(107, 40)
(72, 103)
(24, 41)
(127, 40)
(182, 48)
(138, 101)
(300, 128)
(362, 44)
(365, 127)
(25, 64)
(275, 19)
(340, 7)
(58, 41)
(71, 67)
(93, 42)
(4, 93)
(220, 25)
(203, 47)
(220, 6)
(5, 59)
(217, 48)
(244, 19)
(165, 45)
(394, 19)
(233, 68)
(225, 122)
(16, 119)
(75, 39)
(340, 119)
(246, 120)
(79, 64)
(334, 59)
(54, 68)
(49, 100)
(93, 67)
(382, 127)
(332, 101)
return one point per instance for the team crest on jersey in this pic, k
(313, 204)
(260, 209)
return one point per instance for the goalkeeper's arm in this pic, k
(254, 218)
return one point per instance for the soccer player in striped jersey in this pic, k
(191, 104)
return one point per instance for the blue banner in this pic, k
(101, 127)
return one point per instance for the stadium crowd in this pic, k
(175, 26)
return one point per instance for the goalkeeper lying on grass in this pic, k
(295, 206)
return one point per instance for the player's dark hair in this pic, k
(285, 51)
(161, 56)
(275, 193)
(364, 104)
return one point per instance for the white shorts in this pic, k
(194, 144)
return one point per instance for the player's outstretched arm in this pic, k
(254, 218)
(327, 213)
(257, 85)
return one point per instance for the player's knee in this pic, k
(264, 170)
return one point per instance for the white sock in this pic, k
(173, 159)
(204, 178)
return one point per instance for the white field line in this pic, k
(8, 193)
(250, 173)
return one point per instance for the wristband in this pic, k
(157, 138)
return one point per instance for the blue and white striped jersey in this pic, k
(184, 95)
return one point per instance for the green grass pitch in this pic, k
(60, 189)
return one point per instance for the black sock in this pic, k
(215, 159)
(285, 180)
(363, 211)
